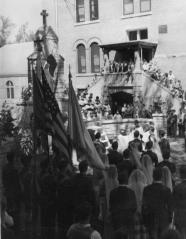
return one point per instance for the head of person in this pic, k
(136, 177)
(120, 234)
(98, 135)
(157, 174)
(170, 234)
(115, 145)
(161, 133)
(149, 145)
(123, 177)
(65, 168)
(83, 167)
(183, 172)
(166, 177)
(83, 213)
(10, 157)
(136, 123)
(136, 134)
(126, 153)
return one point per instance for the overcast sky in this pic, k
(22, 11)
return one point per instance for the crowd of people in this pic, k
(137, 195)
(95, 110)
(122, 67)
(167, 80)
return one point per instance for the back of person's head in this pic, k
(120, 234)
(136, 122)
(97, 135)
(10, 157)
(166, 177)
(115, 145)
(136, 134)
(137, 176)
(83, 166)
(183, 171)
(126, 153)
(149, 145)
(146, 161)
(157, 174)
(161, 133)
(123, 177)
(170, 234)
(83, 212)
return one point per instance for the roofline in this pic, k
(113, 46)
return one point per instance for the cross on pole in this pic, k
(44, 14)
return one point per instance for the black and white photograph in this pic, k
(93, 119)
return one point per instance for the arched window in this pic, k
(80, 11)
(81, 55)
(95, 58)
(10, 89)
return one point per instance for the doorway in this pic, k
(120, 98)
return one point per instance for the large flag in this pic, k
(54, 120)
(78, 133)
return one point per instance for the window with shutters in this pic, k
(94, 10)
(81, 57)
(80, 11)
(10, 90)
(95, 58)
(128, 7)
(145, 5)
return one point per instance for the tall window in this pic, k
(128, 7)
(10, 89)
(81, 58)
(145, 5)
(80, 11)
(95, 58)
(93, 10)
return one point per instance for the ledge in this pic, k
(141, 14)
(88, 74)
(86, 23)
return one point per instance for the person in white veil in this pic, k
(137, 182)
(156, 148)
(167, 177)
(147, 168)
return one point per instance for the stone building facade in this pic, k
(84, 24)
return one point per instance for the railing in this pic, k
(119, 79)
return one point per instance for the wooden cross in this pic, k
(44, 14)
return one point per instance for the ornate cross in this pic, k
(44, 14)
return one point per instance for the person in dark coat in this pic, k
(149, 152)
(123, 205)
(179, 202)
(114, 156)
(65, 210)
(47, 199)
(82, 228)
(83, 190)
(164, 145)
(137, 142)
(156, 206)
(126, 164)
(12, 189)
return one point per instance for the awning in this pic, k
(129, 45)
